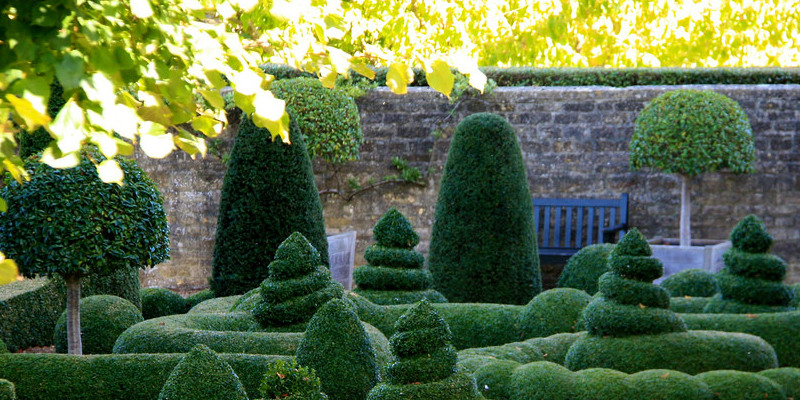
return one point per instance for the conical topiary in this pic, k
(298, 284)
(629, 304)
(751, 281)
(395, 274)
(426, 361)
(202, 374)
(483, 242)
(268, 193)
(337, 348)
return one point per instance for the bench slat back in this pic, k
(583, 221)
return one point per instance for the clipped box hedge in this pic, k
(111, 376)
(29, 310)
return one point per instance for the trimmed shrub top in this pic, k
(633, 244)
(295, 256)
(585, 267)
(691, 282)
(202, 374)
(158, 302)
(394, 230)
(103, 319)
(554, 311)
(689, 132)
(287, 380)
(750, 235)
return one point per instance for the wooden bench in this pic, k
(564, 226)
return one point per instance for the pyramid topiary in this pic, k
(395, 274)
(337, 348)
(751, 281)
(629, 304)
(298, 284)
(202, 374)
(426, 361)
(268, 193)
(483, 242)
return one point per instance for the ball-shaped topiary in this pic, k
(328, 118)
(267, 194)
(664, 384)
(691, 282)
(554, 311)
(199, 297)
(337, 348)
(298, 285)
(602, 384)
(788, 377)
(103, 319)
(202, 374)
(584, 268)
(7, 390)
(483, 242)
(751, 281)
(739, 385)
(158, 302)
(395, 274)
(290, 381)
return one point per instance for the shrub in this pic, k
(788, 378)
(688, 305)
(267, 194)
(493, 379)
(3, 348)
(7, 391)
(31, 143)
(158, 302)
(287, 380)
(29, 310)
(199, 297)
(202, 374)
(103, 319)
(663, 384)
(585, 267)
(554, 311)
(604, 384)
(691, 282)
(542, 380)
(739, 385)
(395, 274)
(484, 189)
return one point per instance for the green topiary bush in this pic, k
(664, 384)
(788, 378)
(3, 348)
(29, 310)
(199, 297)
(484, 189)
(103, 319)
(554, 311)
(691, 282)
(688, 305)
(327, 118)
(395, 273)
(337, 348)
(7, 391)
(603, 384)
(158, 302)
(202, 374)
(584, 268)
(493, 378)
(287, 380)
(267, 194)
(542, 380)
(739, 385)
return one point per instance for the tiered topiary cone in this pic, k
(298, 284)
(629, 303)
(426, 361)
(395, 274)
(751, 281)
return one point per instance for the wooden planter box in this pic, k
(703, 254)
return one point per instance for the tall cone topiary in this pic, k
(202, 374)
(268, 193)
(298, 284)
(629, 304)
(426, 361)
(483, 244)
(395, 274)
(751, 281)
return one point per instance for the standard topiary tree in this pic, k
(483, 243)
(158, 302)
(752, 280)
(584, 268)
(395, 274)
(689, 132)
(202, 374)
(297, 286)
(337, 348)
(425, 366)
(268, 193)
(67, 222)
(327, 118)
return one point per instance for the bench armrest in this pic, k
(611, 231)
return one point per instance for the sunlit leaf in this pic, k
(225, 10)
(363, 69)
(279, 128)
(141, 8)
(33, 119)
(440, 78)
(191, 144)
(246, 82)
(53, 157)
(214, 98)
(122, 120)
(398, 77)
(106, 144)
(110, 172)
(69, 127)
(3, 205)
(208, 125)
(70, 70)
(269, 107)
(14, 167)
(8, 269)
(155, 141)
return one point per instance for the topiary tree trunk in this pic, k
(686, 213)
(74, 315)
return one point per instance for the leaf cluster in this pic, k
(289, 380)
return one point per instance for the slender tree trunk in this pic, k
(74, 315)
(686, 213)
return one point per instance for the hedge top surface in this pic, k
(294, 257)
(394, 230)
(202, 374)
(750, 235)
(689, 132)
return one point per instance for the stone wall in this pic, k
(574, 142)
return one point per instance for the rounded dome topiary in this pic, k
(553, 311)
(202, 374)
(327, 118)
(603, 384)
(7, 390)
(665, 384)
(103, 319)
(158, 302)
(584, 268)
(739, 385)
(691, 282)
(483, 242)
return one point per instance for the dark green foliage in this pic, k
(287, 380)
(553, 311)
(121, 283)
(158, 302)
(394, 230)
(7, 391)
(493, 379)
(103, 319)
(688, 305)
(542, 380)
(337, 348)
(663, 384)
(283, 71)
(750, 235)
(552, 348)
(738, 385)
(483, 242)
(788, 378)
(202, 374)
(111, 376)
(631, 292)
(760, 266)
(459, 386)
(690, 352)
(297, 285)
(199, 297)
(632, 244)
(585, 267)
(689, 132)
(395, 257)
(3, 348)
(607, 318)
(327, 118)
(691, 282)
(32, 143)
(389, 278)
(108, 227)
(401, 296)
(267, 194)
(29, 310)
(602, 384)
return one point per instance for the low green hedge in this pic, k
(29, 310)
(738, 385)
(111, 376)
(401, 296)
(602, 384)
(460, 386)
(554, 311)
(692, 282)
(202, 374)
(7, 390)
(585, 267)
(217, 305)
(663, 384)
(371, 277)
(199, 297)
(158, 302)
(553, 348)
(3, 348)
(789, 378)
(103, 319)
(688, 304)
